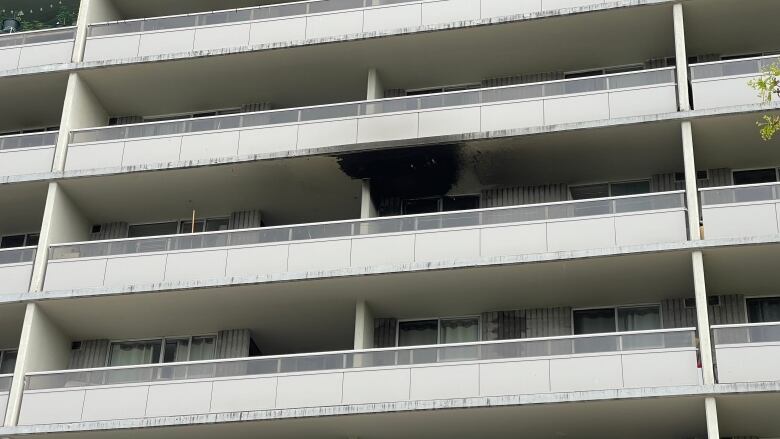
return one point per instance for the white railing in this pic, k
(30, 140)
(36, 37)
(377, 107)
(341, 360)
(737, 67)
(746, 333)
(5, 382)
(748, 193)
(17, 255)
(375, 226)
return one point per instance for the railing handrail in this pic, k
(39, 133)
(745, 325)
(726, 61)
(376, 219)
(371, 101)
(38, 31)
(27, 247)
(738, 186)
(366, 351)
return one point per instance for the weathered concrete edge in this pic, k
(405, 406)
(68, 67)
(358, 147)
(164, 287)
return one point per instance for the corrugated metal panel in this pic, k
(117, 230)
(717, 177)
(384, 332)
(731, 311)
(259, 106)
(677, 315)
(233, 343)
(665, 183)
(395, 92)
(246, 219)
(91, 354)
(528, 323)
(522, 79)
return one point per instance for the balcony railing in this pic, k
(375, 226)
(725, 83)
(741, 211)
(22, 154)
(344, 360)
(5, 383)
(746, 333)
(17, 255)
(32, 140)
(37, 37)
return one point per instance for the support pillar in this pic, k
(681, 55)
(42, 347)
(703, 319)
(375, 90)
(367, 208)
(691, 189)
(713, 429)
(364, 326)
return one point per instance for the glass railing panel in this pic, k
(758, 333)
(321, 231)
(450, 99)
(732, 68)
(28, 140)
(586, 85)
(407, 356)
(279, 11)
(17, 255)
(389, 106)
(5, 382)
(329, 112)
(641, 79)
(334, 5)
(583, 208)
(740, 194)
(168, 23)
(225, 17)
(656, 202)
(34, 37)
(122, 27)
(270, 118)
(533, 91)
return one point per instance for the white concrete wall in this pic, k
(81, 109)
(322, 25)
(741, 220)
(724, 92)
(15, 278)
(364, 386)
(23, 161)
(752, 362)
(349, 131)
(372, 250)
(35, 55)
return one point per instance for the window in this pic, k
(620, 319)
(438, 331)
(711, 301)
(604, 71)
(156, 229)
(431, 90)
(164, 350)
(175, 227)
(763, 310)
(23, 240)
(7, 362)
(755, 176)
(419, 206)
(207, 225)
(604, 190)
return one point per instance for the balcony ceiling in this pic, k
(733, 142)
(25, 204)
(11, 318)
(286, 78)
(32, 101)
(748, 270)
(719, 26)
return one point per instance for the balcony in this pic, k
(530, 366)
(741, 211)
(747, 353)
(725, 83)
(5, 387)
(293, 22)
(407, 118)
(27, 153)
(36, 48)
(16, 269)
(388, 241)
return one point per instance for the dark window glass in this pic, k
(594, 321)
(157, 229)
(32, 239)
(590, 191)
(639, 318)
(421, 205)
(9, 362)
(630, 188)
(586, 74)
(755, 176)
(764, 310)
(463, 202)
(216, 224)
(418, 333)
(12, 241)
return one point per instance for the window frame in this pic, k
(775, 168)
(162, 347)
(762, 296)
(4, 352)
(27, 237)
(440, 203)
(609, 187)
(438, 329)
(179, 223)
(616, 308)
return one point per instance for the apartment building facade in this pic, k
(390, 218)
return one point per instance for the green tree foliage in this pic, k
(768, 86)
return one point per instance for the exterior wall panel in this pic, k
(442, 382)
(135, 269)
(115, 403)
(163, 43)
(581, 234)
(141, 152)
(740, 221)
(376, 386)
(113, 47)
(656, 100)
(277, 31)
(449, 11)
(222, 37)
(179, 399)
(309, 390)
(268, 140)
(397, 17)
(243, 395)
(748, 363)
(576, 109)
(603, 372)
(15, 278)
(182, 266)
(723, 92)
(514, 378)
(647, 229)
(43, 54)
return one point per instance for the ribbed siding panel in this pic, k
(91, 354)
(665, 183)
(518, 195)
(395, 93)
(117, 230)
(717, 177)
(127, 120)
(528, 323)
(731, 311)
(676, 315)
(522, 79)
(233, 343)
(384, 332)
(259, 106)
(246, 219)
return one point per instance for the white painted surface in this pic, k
(748, 363)
(514, 240)
(449, 11)
(136, 269)
(162, 43)
(586, 373)
(43, 54)
(376, 386)
(443, 382)
(115, 403)
(396, 17)
(160, 150)
(208, 264)
(581, 234)
(3, 403)
(74, 274)
(113, 47)
(514, 115)
(563, 4)
(277, 31)
(243, 395)
(499, 8)
(209, 146)
(391, 127)
(320, 134)
(309, 390)
(723, 92)
(740, 220)
(382, 250)
(655, 100)
(26, 161)
(9, 58)
(95, 155)
(222, 37)
(448, 122)
(570, 109)
(660, 369)
(647, 229)
(317, 256)
(331, 25)
(447, 246)
(514, 378)
(251, 261)
(268, 140)
(15, 278)
(51, 408)
(179, 399)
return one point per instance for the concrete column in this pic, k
(43, 347)
(375, 89)
(711, 409)
(691, 189)
(703, 319)
(364, 326)
(681, 55)
(91, 11)
(367, 208)
(82, 109)
(62, 222)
